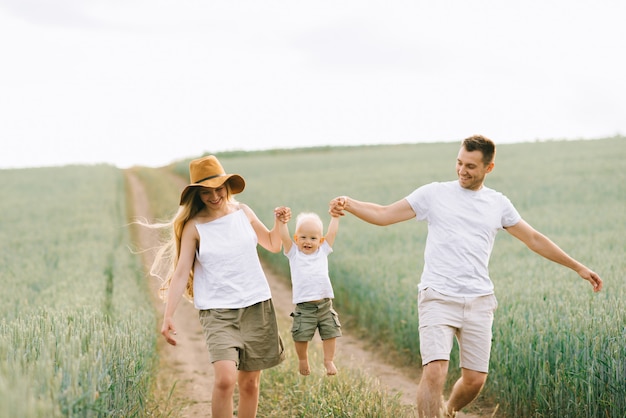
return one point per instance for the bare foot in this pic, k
(304, 367)
(331, 370)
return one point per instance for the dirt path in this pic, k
(187, 365)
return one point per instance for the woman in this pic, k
(213, 260)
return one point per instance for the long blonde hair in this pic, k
(168, 253)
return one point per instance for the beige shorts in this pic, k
(469, 319)
(248, 336)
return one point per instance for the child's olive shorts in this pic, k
(309, 316)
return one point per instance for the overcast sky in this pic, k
(148, 82)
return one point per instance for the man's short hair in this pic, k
(482, 144)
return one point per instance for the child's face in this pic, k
(308, 237)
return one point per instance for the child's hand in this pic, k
(283, 214)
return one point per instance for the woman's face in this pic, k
(214, 198)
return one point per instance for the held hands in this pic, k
(337, 206)
(283, 214)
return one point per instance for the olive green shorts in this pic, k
(309, 316)
(248, 336)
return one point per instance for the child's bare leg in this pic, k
(303, 357)
(329, 355)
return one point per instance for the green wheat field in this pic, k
(78, 330)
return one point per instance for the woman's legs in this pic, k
(223, 388)
(249, 385)
(226, 377)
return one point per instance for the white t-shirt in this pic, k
(227, 270)
(309, 274)
(462, 226)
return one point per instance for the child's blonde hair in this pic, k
(309, 216)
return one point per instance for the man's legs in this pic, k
(475, 348)
(465, 390)
(441, 318)
(430, 389)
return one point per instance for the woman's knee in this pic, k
(249, 381)
(225, 375)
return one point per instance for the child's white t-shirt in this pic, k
(309, 274)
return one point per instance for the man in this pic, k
(456, 296)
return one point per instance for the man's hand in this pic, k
(592, 277)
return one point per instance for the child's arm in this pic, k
(333, 227)
(283, 229)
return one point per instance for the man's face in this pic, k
(471, 170)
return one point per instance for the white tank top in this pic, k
(227, 269)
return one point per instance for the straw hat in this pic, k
(208, 172)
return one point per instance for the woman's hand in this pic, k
(168, 326)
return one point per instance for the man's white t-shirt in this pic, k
(462, 226)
